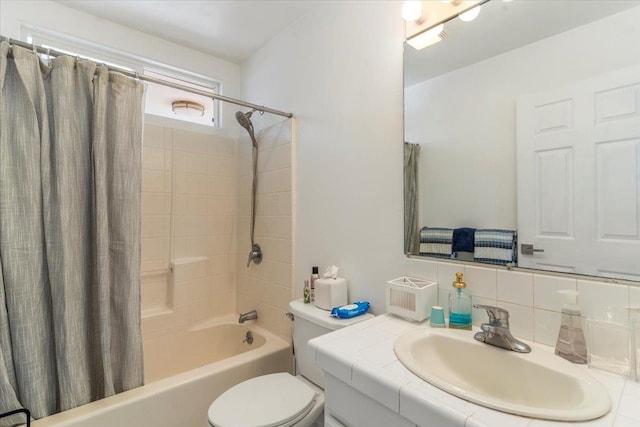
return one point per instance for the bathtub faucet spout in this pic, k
(251, 315)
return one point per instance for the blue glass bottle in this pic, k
(459, 306)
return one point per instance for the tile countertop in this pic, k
(362, 356)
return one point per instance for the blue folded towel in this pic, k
(495, 246)
(435, 241)
(463, 240)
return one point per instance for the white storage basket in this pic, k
(411, 298)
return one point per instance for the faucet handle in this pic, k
(497, 316)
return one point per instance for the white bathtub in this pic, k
(184, 374)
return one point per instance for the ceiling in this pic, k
(231, 30)
(501, 27)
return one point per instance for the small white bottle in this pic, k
(571, 344)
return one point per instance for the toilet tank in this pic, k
(310, 322)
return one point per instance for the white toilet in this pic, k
(281, 399)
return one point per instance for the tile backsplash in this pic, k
(531, 298)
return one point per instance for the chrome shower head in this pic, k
(245, 120)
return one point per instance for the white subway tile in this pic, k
(520, 320)
(447, 274)
(443, 300)
(546, 326)
(481, 282)
(424, 269)
(515, 287)
(600, 300)
(479, 315)
(545, 291)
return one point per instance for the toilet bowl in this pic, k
(281, 399)
(275, 400)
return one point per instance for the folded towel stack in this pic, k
(436, 242)
(495, 246)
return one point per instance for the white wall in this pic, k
(465, 120)
(339, 70)
(16, 15)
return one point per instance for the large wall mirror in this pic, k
(527, 119)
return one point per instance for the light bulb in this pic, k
(470, 14)
(412, 10)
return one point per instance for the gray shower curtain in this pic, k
(70, 153)
(411, 157)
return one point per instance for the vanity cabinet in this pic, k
(348, 407)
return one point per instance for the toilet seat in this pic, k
(267, 401)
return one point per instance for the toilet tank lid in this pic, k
(321, 317)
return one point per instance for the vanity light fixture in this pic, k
(470, 14)
(187, 108)
(412, 11)
(427, 38)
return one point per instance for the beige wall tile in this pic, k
(153, 158)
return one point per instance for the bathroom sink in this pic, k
(537, 384)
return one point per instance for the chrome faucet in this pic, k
(497, 332)
(251, 315)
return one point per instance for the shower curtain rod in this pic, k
(53, 52)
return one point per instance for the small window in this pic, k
(158, 98)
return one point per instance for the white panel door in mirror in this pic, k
(582, 139)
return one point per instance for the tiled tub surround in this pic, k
(188, 218)
(267, 287)
(532, 299)
(367, 385)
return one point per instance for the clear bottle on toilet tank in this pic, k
(459, 305)
(306, 293)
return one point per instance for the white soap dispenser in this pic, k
(571, 344)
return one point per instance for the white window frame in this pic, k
(113, 57)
